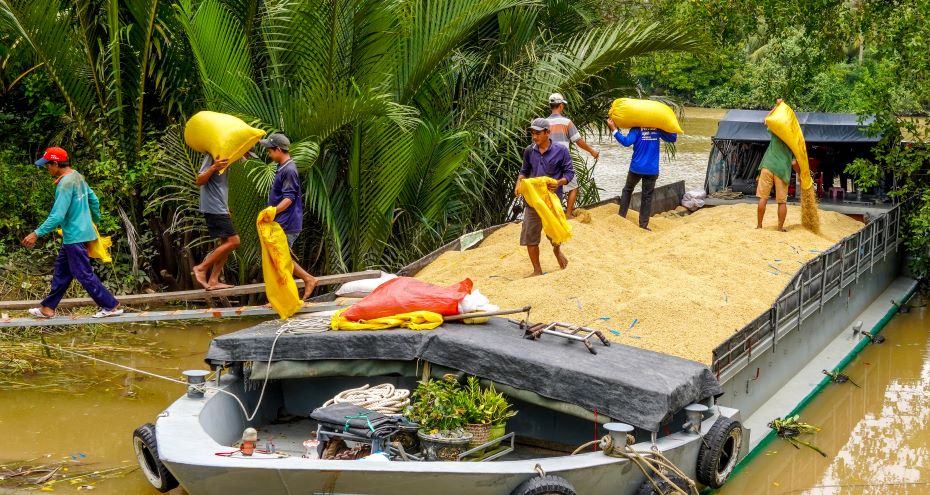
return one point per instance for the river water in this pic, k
(877, 436)
(688, 163)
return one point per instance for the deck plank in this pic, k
(191, 295)
(145, 316)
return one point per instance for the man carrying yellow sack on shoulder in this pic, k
(542, 159)
(775, 170)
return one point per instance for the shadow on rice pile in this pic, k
(681, 289)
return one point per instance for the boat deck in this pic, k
(289, 438)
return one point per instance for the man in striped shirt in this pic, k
(562, 131)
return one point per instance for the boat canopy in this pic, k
(749, 125)
(635, 386)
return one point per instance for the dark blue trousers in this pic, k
(73, 263)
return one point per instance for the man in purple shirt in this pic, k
(542, 159)
(286, 197)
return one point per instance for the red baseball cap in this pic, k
(53, 154)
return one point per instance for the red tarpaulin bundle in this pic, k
(405, 294)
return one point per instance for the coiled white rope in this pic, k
(383, 398)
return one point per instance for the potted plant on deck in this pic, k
(487, 412)
(441, 407)
(497, 410)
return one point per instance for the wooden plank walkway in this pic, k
(191, 295)
(144, 316)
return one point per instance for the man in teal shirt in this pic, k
(76, 209)
(775, 170)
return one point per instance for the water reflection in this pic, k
(877, 437)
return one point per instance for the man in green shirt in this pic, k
(775, 170)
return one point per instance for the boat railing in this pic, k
(815, 284)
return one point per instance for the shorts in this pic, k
(219, 225)
(291, 238)
(571, 186)
(766, 180)
(531, 232)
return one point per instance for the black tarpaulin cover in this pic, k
(749, 125)
(628, 384)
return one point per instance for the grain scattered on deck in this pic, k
(689, 284)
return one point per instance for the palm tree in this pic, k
(408, 115)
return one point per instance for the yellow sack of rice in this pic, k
(631, 112)
(784, 123)
(547, 205)
(220, 135)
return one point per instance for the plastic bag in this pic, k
(784, 123)
(415, 320)
(473, 302)
(405, 295)
(364, 286)
(220, 135)
(547, 205)
(693, 200)
(277, 265)
(98, 248)
(631, 112)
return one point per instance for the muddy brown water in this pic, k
(877, 437)
(90, 426)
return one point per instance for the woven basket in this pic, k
(480, 434)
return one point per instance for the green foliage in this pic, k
(897, 83)
(443, 405)
(440, 405)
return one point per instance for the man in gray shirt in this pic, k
(214, 204)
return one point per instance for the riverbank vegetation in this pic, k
(408, 116)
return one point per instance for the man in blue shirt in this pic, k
(76, 209)
(542, 159)
(643, 166)
(285, 195)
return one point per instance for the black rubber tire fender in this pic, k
(664, 488)
(545, 485)
(146, 449)
(719, 452)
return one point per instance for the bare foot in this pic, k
(309, 285)
(782, 229)
(534, 274)
(219, 285)
(200, 275)
(758, 226)
(563, 261)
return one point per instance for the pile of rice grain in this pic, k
(689, 284)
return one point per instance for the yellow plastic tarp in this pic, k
(277, 265)
(415, 320)
(631, 112)
(537, 195)
(220, 135)
(784, 123)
